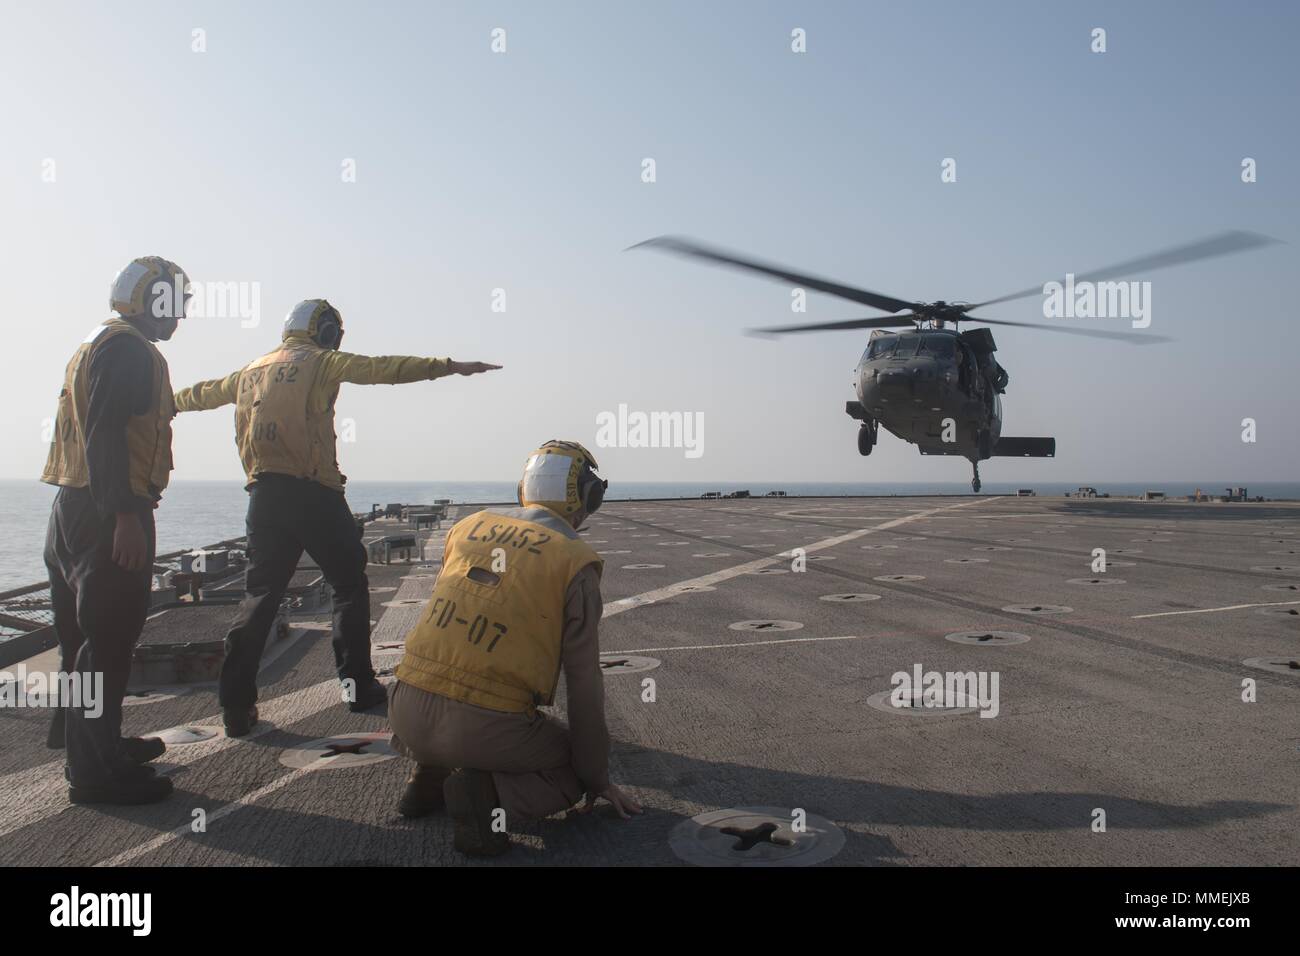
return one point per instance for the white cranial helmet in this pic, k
(150, 286)
(316, 318)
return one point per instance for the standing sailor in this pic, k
(111, 457)
(517, 601)
(284, 429)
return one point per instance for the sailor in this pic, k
(284, 429)
(517, 601)
(111, 456)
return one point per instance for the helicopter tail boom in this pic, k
(1025, 448)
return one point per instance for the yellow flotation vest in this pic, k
(491, 633)
(148, 436)
(277, 428)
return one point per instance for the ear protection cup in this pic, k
(328, 331)
(592, 492)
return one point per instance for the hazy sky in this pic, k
(522, 171)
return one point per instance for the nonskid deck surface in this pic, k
(1127, 706)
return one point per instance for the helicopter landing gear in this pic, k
(975, 481)
(867, 437)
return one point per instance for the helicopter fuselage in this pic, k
(927, 387)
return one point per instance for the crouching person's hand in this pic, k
(620, 801)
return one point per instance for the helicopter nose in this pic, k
(895, 383)
(905, 385)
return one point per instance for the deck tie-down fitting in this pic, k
(337, 750)
(749, 837)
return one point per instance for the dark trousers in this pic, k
(287, 516)
(99, 612)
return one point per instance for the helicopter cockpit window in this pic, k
(881, 347)
(907, 345)
(940, 346)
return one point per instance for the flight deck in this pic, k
(1147, 714)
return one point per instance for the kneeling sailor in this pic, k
(517, 601)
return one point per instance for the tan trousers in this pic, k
(528, 757)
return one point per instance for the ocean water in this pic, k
(197, 513)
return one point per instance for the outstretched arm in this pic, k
(213, 393)
(393, 369)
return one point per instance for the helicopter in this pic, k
(933, 385)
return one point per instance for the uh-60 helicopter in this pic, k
(935, 386)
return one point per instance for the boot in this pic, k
(423, 794)
(471, 797)
(143, 749)
(239, 721)
(369, 695)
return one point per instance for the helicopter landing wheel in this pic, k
(866, 438)
(975, 481)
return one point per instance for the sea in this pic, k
(198, 513)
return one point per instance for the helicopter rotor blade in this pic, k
(888, 322)
(1222, 244)
(691, 249)
(1133, 338)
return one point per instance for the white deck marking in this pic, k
(710, 647)
(225, 810)
(1212, 610)
(29, 796)
(726, 574)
